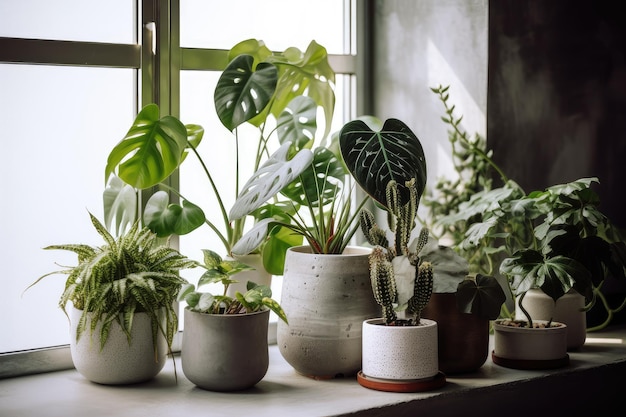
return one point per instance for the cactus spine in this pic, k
(401, 220)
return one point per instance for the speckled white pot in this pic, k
(225, 352)
(325, 298)
(400, 353)
(567, 309)
(258, 275)
(118, 362)
(523, 343)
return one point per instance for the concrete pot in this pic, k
(118, 362)
(326, 298)
(568, 309)
(530, 348)
(400, 353)
(463, 339)
(225, 352)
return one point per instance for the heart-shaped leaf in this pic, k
(482, 296)
(242, 92)
(269, 179)
(151, 150)
(166, 219)
(376, 158)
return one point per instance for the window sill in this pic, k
(585, 384)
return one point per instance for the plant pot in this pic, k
(400, 358)
(463, 339)
(258, 275)
(568, 309)
(118, 362)
(325, 298)
(530, 348)
(225, 352)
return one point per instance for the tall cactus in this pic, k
(401, 219)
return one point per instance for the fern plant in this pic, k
(130, 274)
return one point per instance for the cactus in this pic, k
(401, 221)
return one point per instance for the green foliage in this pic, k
(279, 93)
(554, 239)
(127, 275)
(222, 271)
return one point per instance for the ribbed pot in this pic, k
(118, 362)
(463, 339)
(400, 353)
(326, 298)
(225, 352)
(568, 309)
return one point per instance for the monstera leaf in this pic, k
(151, 150)
(243, 92)
(376, 158)
(269, 179)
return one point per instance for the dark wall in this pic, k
(556, 107)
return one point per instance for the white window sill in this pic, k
(586, 384)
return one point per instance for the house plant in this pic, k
(279, 94)
(399, 353)
(122, 297)
(225, 345)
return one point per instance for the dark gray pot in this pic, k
(225, 352)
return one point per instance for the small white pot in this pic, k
(526, 344)
(567, 309)
(118, 362)
(400, 353)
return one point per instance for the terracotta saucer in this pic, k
(389, 385)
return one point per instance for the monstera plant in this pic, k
(277, 93)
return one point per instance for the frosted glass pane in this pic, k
(280, 23)
(85, 20)
(58, 125)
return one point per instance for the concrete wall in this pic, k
(422, 44)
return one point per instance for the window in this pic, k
(70, 85)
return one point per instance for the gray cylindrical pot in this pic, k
(225, 352)
(326, 298)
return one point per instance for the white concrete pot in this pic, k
(225, 352)
(400, 353)
(258, 275)
(567, 309)
(118, 362)
(326, 298)
(526, 344)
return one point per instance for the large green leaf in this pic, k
(275, 250)
(269, 179)
(166, 219)
(376, 158)
(305, 74)
(242, 92)
(151, 150)
(482, 296)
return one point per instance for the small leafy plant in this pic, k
(256, 298)
(127, 275)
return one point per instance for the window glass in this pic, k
(85, 20)
(58, 124)
(218, 24)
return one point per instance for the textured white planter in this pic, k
(567, 309)
(259, 275)
(225, 352)
(326, 298)
(118, 362)
(526, 344)
(400, 352)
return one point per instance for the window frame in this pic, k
(158, 60)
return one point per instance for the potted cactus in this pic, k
(389, 164)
